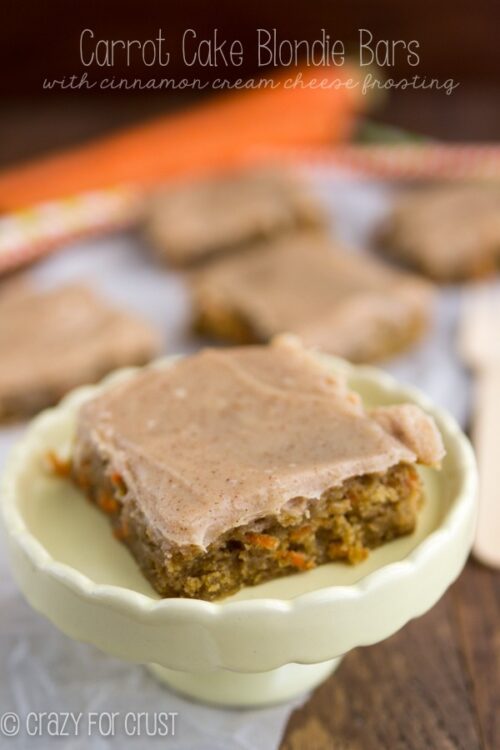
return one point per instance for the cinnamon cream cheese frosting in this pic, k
(224, 437)
(194, 220)
(52, 341)
(333, 299)
(449, 232)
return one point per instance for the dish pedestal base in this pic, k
(238, 689)
(103, 599)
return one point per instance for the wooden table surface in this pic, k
(435, 685)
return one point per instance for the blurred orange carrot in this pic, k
(218, 134)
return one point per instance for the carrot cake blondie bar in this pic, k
(53, 341)
(449, 233)
(192, 221)
(235, 466)
(337, 301)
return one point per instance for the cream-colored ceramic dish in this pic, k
(264, 644)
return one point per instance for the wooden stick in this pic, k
(486, 434)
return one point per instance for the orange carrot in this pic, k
(298, 535)
(59, 466)
(108, 503)
(298, 560)
(120, 485)
(230, 130)
(266, 541)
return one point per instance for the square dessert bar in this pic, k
(192, 221)
(448, 232)
(52, 341)
(232, 467)
(338, 301)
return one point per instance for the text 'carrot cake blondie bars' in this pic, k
(232, 467)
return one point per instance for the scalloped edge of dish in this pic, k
(139, 607)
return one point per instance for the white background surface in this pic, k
(43, 670)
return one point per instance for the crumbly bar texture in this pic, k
(332, 298)
(191, 222)
(52, 341)
(234, 467)
(343, 523)
(449, 232)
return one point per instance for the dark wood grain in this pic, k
(415, 690)
(435, 685)
(476, 599)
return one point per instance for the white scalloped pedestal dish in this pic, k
(266, 643)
